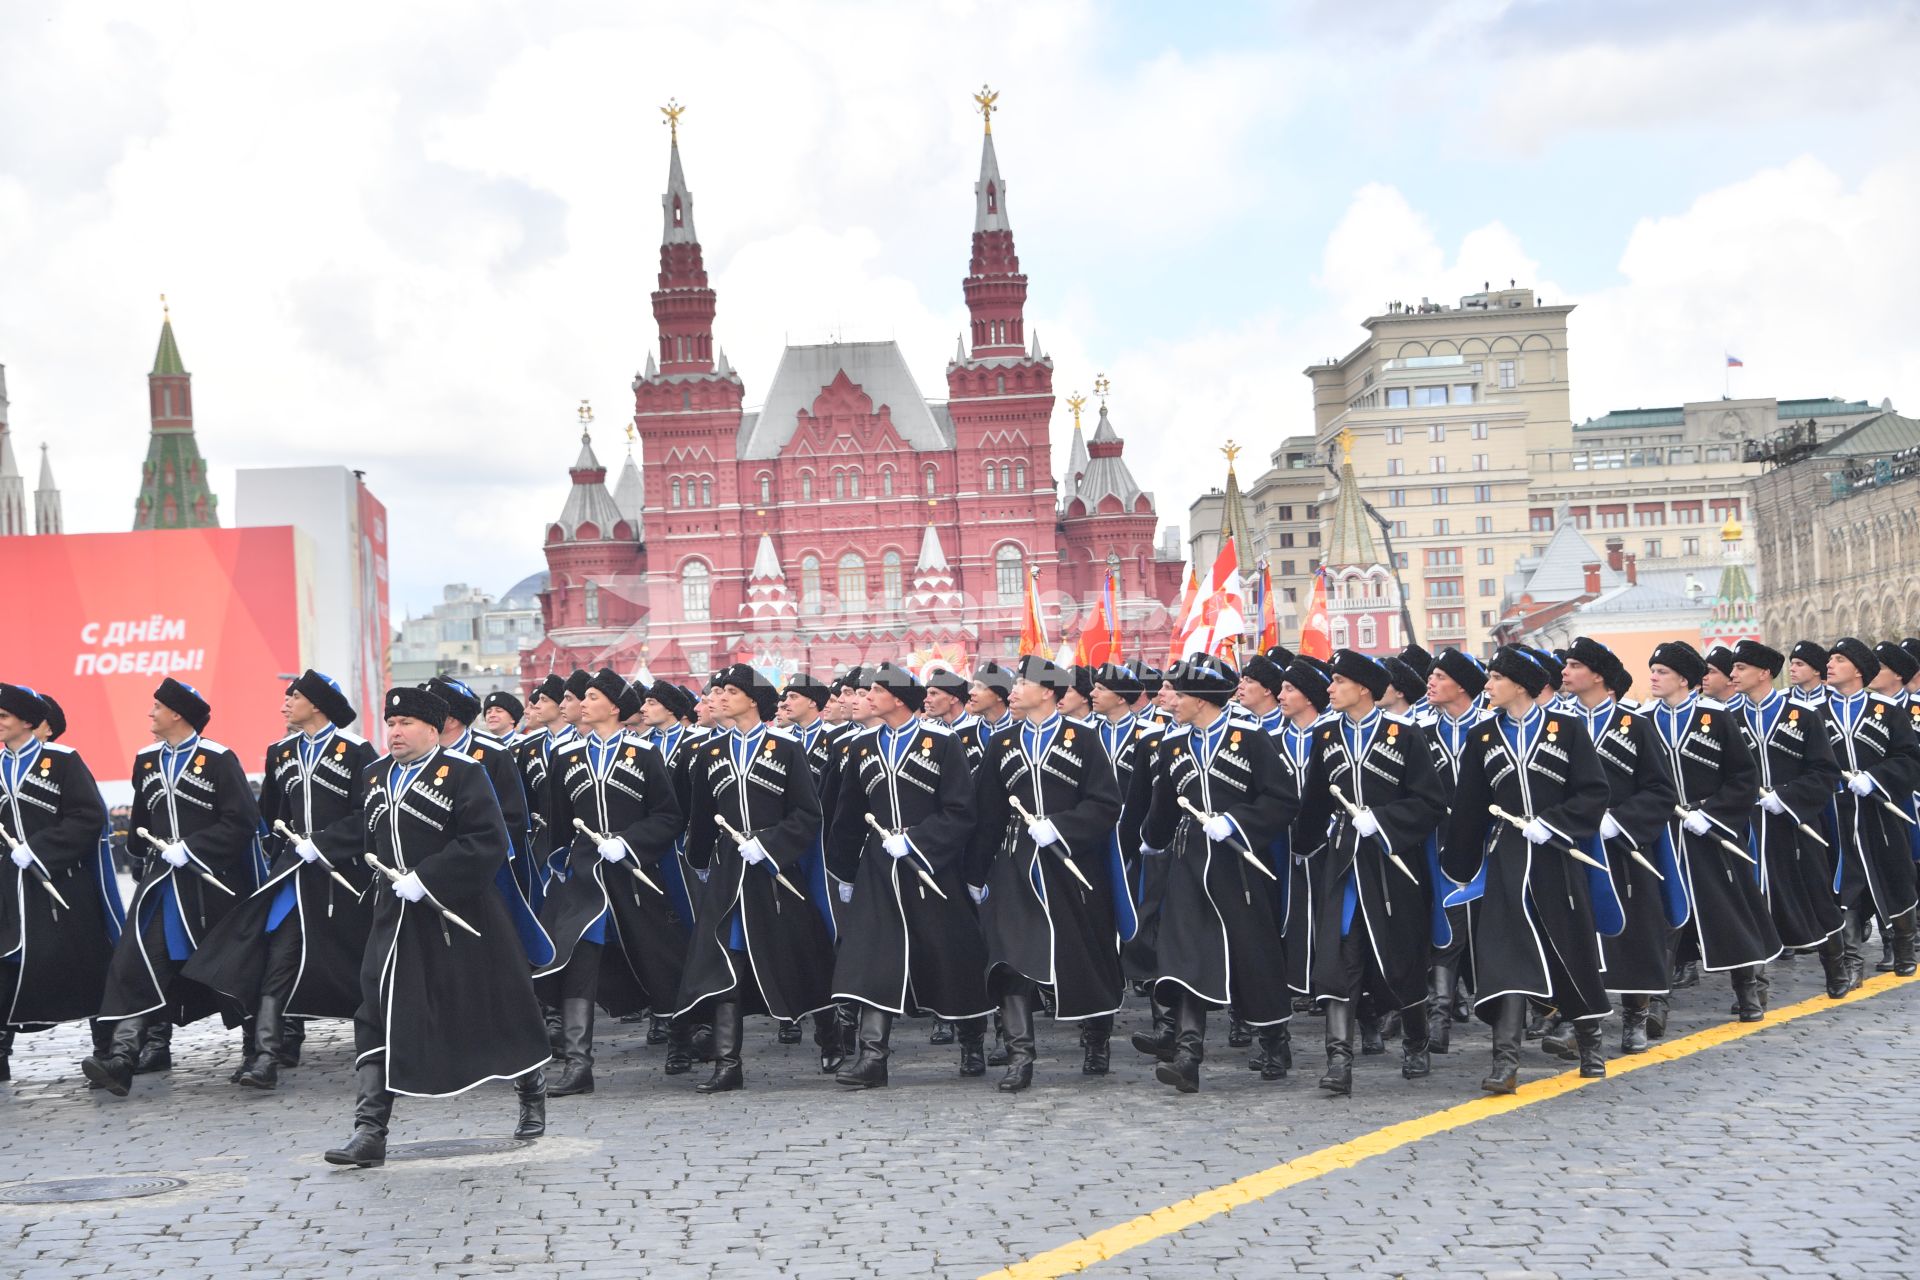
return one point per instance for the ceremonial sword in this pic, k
(634, 867)
(1353, 810)
(295, 838)
(39, 872)
(1885, 803)
(1203, 817)
(198, 868)
(396, 877)
(1065, 858)
(1725, 843)
(917, 868)
(739, 840)
(1803, 826)
(1515, 820)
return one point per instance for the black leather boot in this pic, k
(1276, 1051)
(6, 1054)
(827, 1039)
(532, 1090)
(293, 1040)
(1189, 1046)
(576, 1026)
(1157, 1043)
(1593, 1054)
(943, 1032)
(679, 1046)
(727, 1074)
(1853, 940)
(1239, 1034)
(556, 1033)
(249, 1047)
(1903, 931)
(156, 1051)
(1016, 1014)
(102, 1043)
(1415, 1060)
(1373, 1039)
(1633, 1024)
(1557, 1039)
(1536, 1023)
(999, 1055)
(973, 1047)
(868, 1070)
(1440, 982)
(113, 1071)
(1763, 985)
(1658, 1007)
(1686, 975)
(1509, 1024)
(847, 1018)
(1096, 1039)
(658, 1029)
(789, 1033)
(1746, 994)
(1886, 949)
(373, 1108)
(1833, 966)
(1339, 1077)
(262, 1070)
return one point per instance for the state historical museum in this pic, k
(850, 518)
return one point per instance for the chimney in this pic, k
(1616, 547)
(1633, 570)
(1592, 570)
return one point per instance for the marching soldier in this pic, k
(441, 1010)
(1455, 682)
(1053, 902)
(803, 707)
(1221, 797)
(759, 944)
(991, 687)
(1303, 700)
(1372, 782)
(1807, 673)
(1880, 764)
(293, 949)
(1798, 777)
(1542, 911)
(900, 826)
(500, 714)
(192, 803)
(1640, 803)
(53, 958)
(1718, 782)
(619, 940)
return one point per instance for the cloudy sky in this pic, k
(411, 238)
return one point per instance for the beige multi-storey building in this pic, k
(1445, 404)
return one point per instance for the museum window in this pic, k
(696, 591)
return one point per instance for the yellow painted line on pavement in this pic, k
(1101, 1245)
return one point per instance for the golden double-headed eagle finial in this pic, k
(1100, 388)
(1232, 451)
(1076, 402)
(986, 99)
(1346, 444)
(586, 413)
(672, 111)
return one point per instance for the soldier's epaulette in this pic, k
(215, 748)
(568, 748)
(781, 731)
(351, 739)
(150, 748)
(1712, 704)
(1396, 717)
(489, 739)
(55, 749)
(1147, 728)
(1176, 731)
(1881, 697)
(936, 726)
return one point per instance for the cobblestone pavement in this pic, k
(1787, 1153)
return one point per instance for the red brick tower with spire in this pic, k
(173, 481)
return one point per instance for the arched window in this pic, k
(890, 579)
(839, 484)
(853, 483)
(927, 472)
(706, 491)
(1368, 635)
(592, 595)
(1006, 476)
(1020, 478)
(806, 486)
(696, 591)
(810, 583)
(853, 582)
(766, 487)
(675, 489)
(886, 482)
(1003, 384)
(992, 477)
(1009, 574)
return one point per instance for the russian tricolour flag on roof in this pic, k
(1735, 362)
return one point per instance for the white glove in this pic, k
(896, 845)
(1861, 784)
(612, 850)
(1149, 851)
(1609, 828)
(409, 887)
(1219, 827)
(307, 849)
(1365, 823)
(752, 851)
(1043, 832)
(22, 856)
(175, 854)
(1771, 803)
(846, 891)
(1536, 832)
(978, 895)
(1697, 822)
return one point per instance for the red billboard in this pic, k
(374, 633)
(102, 618)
